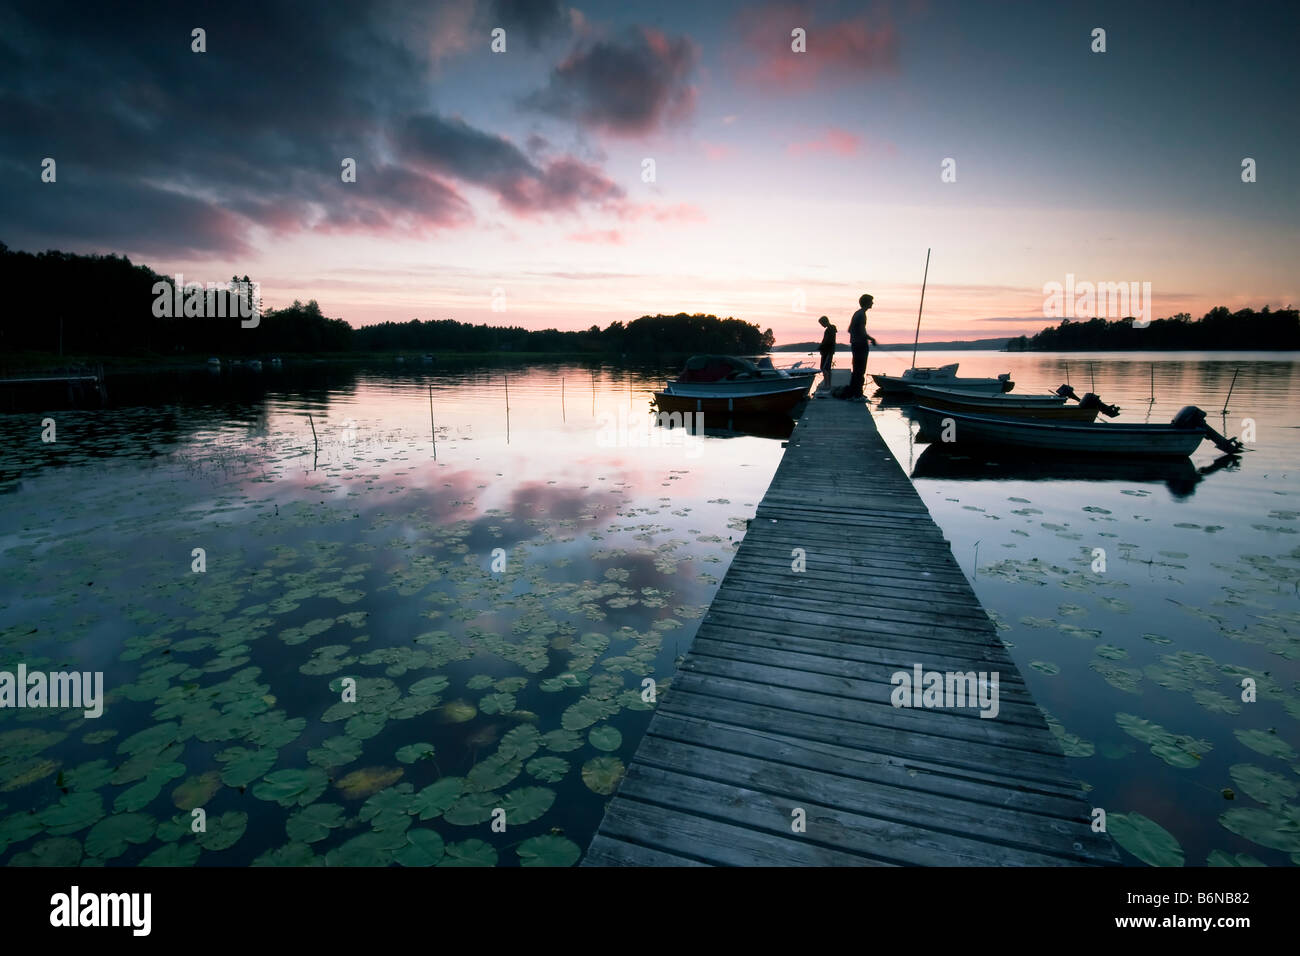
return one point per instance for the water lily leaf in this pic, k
(1145, 839)
(471, 809)
(224, 831)
(561, 741)
(292, 787)
(520, 743)
(398, 799)
(548, 851)
(88, 776)
(368, 780)
(365, 726)
(584, 713)
(243, 766)
(511, 685)
(1219, 858)
(173, 854)
(497, 703)
(1046, 667)
(196, 791)
(548, 769)
(314, 823)
(74, 812)
(277, 733)
(22, 773)
(1278, 828)
(434, 799)
(57, 851)
(334, 752)
(1265, 742)
(493, 772)
(602, 774)
(289, 855)
(18, 827)
(469, 853)
(1265, 786)
(479, 682)
(423, 848)
(110, 837)
(369, 849)
(458, 711)
(413, 752)
(155, 738)
(429, 686)
(605, 737)
(527, 804)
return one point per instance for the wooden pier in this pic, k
(784, 701)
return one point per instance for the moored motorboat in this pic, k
(1045, 406)
(951, 429)
(726, 374)
(780, 397)
(945, 376)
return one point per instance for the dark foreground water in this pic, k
(506, 608)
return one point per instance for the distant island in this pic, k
(106, 306)
(1219, 329)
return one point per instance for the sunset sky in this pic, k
(775, 173)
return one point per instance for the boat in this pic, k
(214, 364)
(276, 363)
(254, 365)
(1042, 406)
(780, 397)
(728, 375)
(945, 376)
(945, 428)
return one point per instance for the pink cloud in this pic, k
(718, 151)
(608, 237)
(837, 52)
(681, 212)
(838, 141)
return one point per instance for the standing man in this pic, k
(858, 342)
(828, 354)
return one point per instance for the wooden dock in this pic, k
(784, 701)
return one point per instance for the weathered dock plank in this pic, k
(783, 703)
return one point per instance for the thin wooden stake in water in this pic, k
(1092, 371)
(593, 394)
(1153, 383)
(1067, 373)
(313, 431)
(507, 380)
(1230, 387)
(432, 427)
(563, 415)
(919, 308)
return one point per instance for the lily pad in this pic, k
(469, 853)
(548, 769)
(605, 737)
(243, 766)
(1219, 858)
(602, 774)
(73, 813)
(369, 849)
(413, 752)
(335, 752)
(1266, 742)
(364, 782)
(423, 848)
(174, 854)
(527, 804)
(458, 711)
(196, 791)
(314, 823)
(291, 788)
(224, 831)
(1263, 785)
(434, 799)
(548, 851)
(561, 741)
(110, 837)
(1278, 828)
(471, 809)
(1145, 839)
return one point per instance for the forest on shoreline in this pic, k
(118, 306)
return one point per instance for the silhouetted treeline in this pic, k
(1217, 329)
(60, 302)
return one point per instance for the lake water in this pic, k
(504, 597)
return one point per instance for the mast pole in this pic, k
(922, 306)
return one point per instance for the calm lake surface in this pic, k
(503, 605)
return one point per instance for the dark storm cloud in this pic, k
(537, 20)
(163, 149)
(629, 85)
(453, 147)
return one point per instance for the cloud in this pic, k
(718, 151)
(680, 212)
(628, 86)
(838, 51)
(537, 20)
(838, 141)
(598, 237)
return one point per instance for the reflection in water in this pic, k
(1180, 476)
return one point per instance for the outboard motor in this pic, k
(1192, 417)
(1005, 379)
(1089, 400)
